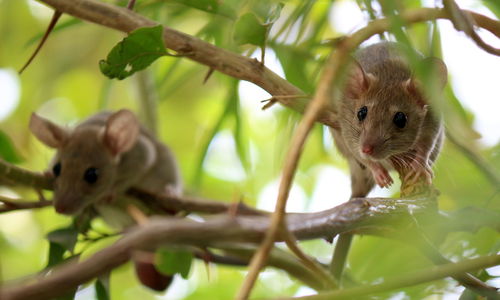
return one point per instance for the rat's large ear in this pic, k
(357, 81)
(437, 69)
(121, 132)
(47, 132)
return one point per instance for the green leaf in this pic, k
(64, 237)
(7, 150)
(211, 6)
(275, 13)
(68, 296)
(170, 262)
(249, 30)
(101, 287)
(238, 134)
(493, 5)
(134, 53)
(60, 241)
(296, 73)
(204, 149)
(56, 253)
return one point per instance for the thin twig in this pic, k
(311, 264)
(417, 236)
(131, 4)
(463, 22)
(291, 163)
(274, 99)
(8, 204)
(402, 281)
(490, 173)
(331, 77)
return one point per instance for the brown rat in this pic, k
(98, 161)
(103, 157)
(385, 121)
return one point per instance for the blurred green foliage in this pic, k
(228, 148)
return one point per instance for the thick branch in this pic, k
(354, 215)
(232, 64)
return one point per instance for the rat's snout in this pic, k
(67, 205)
(367, 149)
(371, 147)
(63, 209)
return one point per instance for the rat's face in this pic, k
(86, 162)
(84, 172)
(382, 122)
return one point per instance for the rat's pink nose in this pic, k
(367, 149)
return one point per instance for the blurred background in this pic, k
(227, 146)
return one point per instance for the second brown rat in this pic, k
(385, 121)
(101, 158)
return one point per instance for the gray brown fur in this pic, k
(148, 165)
(382, 81)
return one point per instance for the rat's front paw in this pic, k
(380, 175)
(418, 169)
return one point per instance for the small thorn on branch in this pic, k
(274, 99)
(55, 17)
(131, 4)
(208, 75)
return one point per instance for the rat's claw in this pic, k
(417, 171)
(381, 175)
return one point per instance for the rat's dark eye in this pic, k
(56, 169)
(91, 175)
(362, 113)
(399, 119)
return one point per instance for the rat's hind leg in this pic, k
(361, 184)
(361, 179)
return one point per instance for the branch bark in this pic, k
(358, 215)
(463, 22)
(232, 64)
(7, 204)
(430, 274)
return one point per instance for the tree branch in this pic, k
(463, 22)
(430, 274)
(360, 216)
(232, 64)
(330, 73)
(489, 172)
(15, 175)
(7, 204)
(354, 215)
